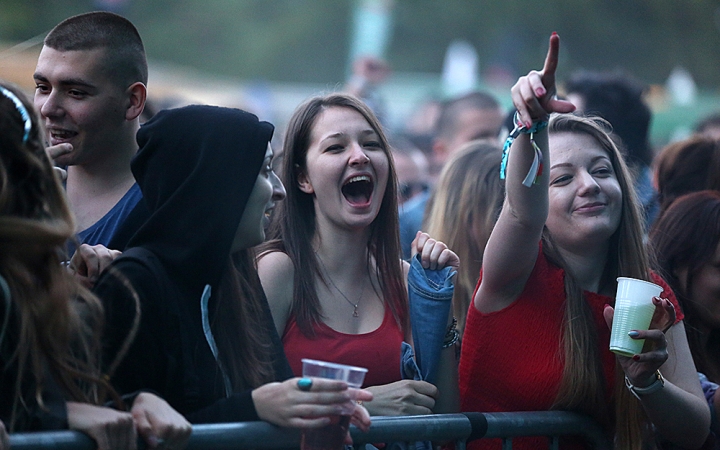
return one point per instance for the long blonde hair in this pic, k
(582, 387)
(462, 212)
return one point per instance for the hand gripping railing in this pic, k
(438, 428)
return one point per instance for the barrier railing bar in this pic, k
(440, 427)
(545, 423)
(436, 427)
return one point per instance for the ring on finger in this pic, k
(304, 384)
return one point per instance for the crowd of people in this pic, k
(163, 275)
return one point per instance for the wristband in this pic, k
(452, 335)
(536, 168)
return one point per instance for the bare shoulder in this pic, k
(276, 272)
(275, 263)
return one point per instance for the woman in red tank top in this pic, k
(537, 334)
(331, 271)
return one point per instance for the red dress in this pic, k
(378, 350)
(511, 359)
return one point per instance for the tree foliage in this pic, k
(308, 40)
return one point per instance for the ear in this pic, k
(304, 183)
(136, 94)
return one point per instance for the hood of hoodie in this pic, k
(197, 167)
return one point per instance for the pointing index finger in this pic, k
(551, 60)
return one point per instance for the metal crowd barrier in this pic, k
(437, 428)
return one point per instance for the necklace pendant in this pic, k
(355, 312)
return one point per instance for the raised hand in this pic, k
(54, 151)
(640, 368)
(534, 95)
(89, 261)
(434, 255)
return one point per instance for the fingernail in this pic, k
(554, 33)
(540, 91)
(636, 357)
(633, 334)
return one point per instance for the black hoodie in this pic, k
(196, 168)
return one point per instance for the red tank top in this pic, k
(378, 350)
(510, 359)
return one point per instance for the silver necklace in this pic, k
(362, 291)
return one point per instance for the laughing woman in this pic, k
(348, 302)
(336, 237)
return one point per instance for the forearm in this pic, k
(239, 407)
(449, 396)
(679, 416)
(529, 205)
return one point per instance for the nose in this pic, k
(278, 188)
(48, 104)
(358, 156)
(588, 184)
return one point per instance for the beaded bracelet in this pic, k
(451, 335)
(537, 166)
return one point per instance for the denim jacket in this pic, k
(430, 295)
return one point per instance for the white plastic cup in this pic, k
(331, 437)
(634, 310)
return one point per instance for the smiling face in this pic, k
(268, 190)
(346, 168)
(80, 103)
(584, 195)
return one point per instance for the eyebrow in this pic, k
(592, 161)
(340, 134)
(65, 82)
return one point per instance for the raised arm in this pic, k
(513, 245)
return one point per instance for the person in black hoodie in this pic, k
(206, 341)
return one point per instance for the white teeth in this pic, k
(61, 134)
(358, 178)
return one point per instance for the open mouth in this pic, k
(358, 190)
(57, 136)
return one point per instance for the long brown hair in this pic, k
(237, 321)
(462, 211)
(686, 237)
(54, 324)
(582, 387)
(293, 223)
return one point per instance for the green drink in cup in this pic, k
(331, 437)
(634, 310)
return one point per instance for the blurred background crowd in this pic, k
(267, 56)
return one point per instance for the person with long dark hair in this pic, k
(50, 325)
(686, 243)
(336, 238)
